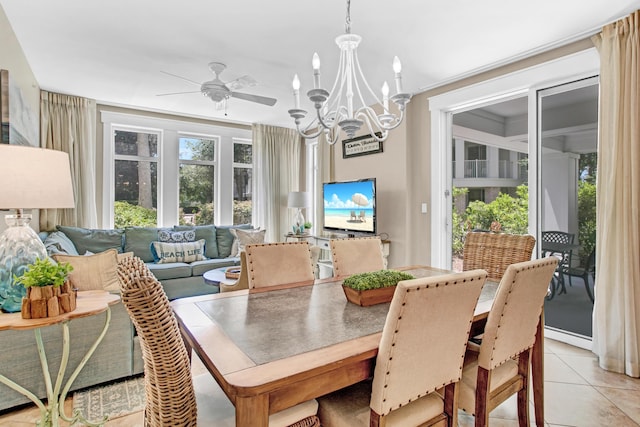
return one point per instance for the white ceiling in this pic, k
(116, 51)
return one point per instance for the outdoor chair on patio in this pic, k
(170, 393)
(564, 257)
(494, 252)
(419, 361)
(356, 255)
(500, 368)
(584, 271)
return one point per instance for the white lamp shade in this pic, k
(34, 178)
(298, 199)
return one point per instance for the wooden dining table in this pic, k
(274, 348)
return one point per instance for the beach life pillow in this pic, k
(245, 237)
(93, 272)
(58, 243)
(166, 252)
(176, 236)
(206, 232)
(93, 240)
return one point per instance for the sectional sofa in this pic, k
(119, 354)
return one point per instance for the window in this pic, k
(163, 172)
(242, 168)
(136, 177)
(197, 178)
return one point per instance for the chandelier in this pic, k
(337, 108)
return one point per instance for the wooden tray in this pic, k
(232, 273)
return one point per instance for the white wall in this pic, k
(12, 59)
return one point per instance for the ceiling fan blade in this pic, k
(241, 82)
(254, 98)
(180, 77)
(177, 93)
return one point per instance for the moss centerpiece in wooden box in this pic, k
(49, 293)
(374, 287)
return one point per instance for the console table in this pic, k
(89, 303)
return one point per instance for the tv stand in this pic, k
(325, 266)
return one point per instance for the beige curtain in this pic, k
(276, 169)
(616, 313)
(68, 123)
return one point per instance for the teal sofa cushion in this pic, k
(225, 238)
(58, 243)
(172, 270)
(206, 232)
(93, 240)
(138, 240)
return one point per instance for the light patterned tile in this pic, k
(560, 348)
(589, 369)
(627, 400)
(581, 405)
(556, 370)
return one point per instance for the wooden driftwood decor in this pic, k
(48, 301)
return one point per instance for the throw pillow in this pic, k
(93, 240)
(176, 236)
(245, 237)
(58, 243)
(93, 272)
(206, 232)
(225, 238)
(165, 252)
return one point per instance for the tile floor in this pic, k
(577, 393)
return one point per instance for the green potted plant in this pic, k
(373, 287)
(307, 226)
(49, 292)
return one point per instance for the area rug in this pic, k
(115, 400)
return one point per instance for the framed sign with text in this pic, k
(361, 145)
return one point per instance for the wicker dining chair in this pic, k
(421, 351)
(501, 366)
(171, 398)
(494, 252)
(356, 255)
(272, 264)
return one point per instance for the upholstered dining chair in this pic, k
(356, 255)
(243, 279)
(501, 366)
(272, 264)
(421, 351)
(171, 392)
(494, 252)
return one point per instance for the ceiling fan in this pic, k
(219, 91)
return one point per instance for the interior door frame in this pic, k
(525, 82)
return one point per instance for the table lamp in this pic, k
(31, 178)
(298, 200)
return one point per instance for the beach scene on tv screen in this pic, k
(349, 205)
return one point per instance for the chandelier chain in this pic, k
(347, 25)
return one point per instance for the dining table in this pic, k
(273, 348)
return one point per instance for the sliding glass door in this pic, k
(567, 141)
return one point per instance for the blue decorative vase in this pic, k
(19, 247)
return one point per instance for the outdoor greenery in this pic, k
(44, 272)
(511, 212)
(127, 215)
(375, 279)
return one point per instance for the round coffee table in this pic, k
(217, 276)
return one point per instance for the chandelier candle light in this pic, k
(330, 110)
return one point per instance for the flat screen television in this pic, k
(350, 206)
